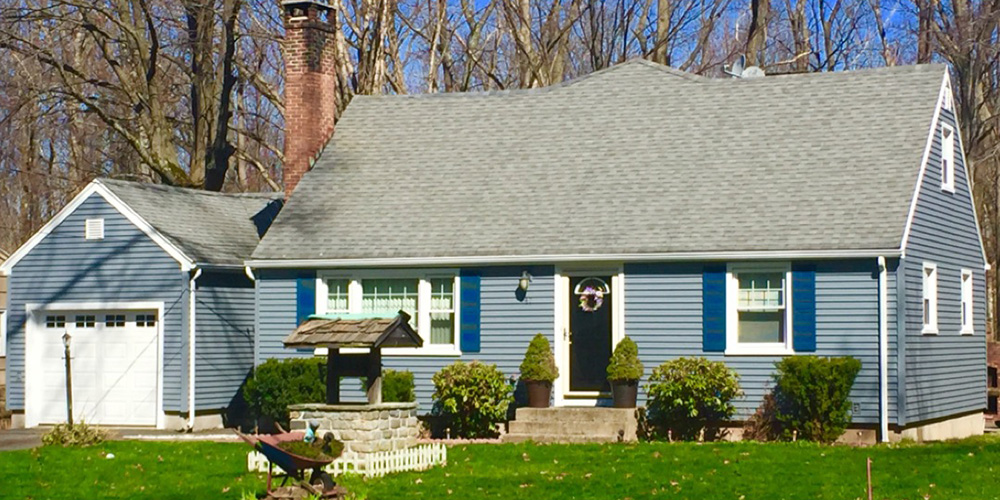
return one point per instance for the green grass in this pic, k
(967, 469)
(182, 471)
(958, 470)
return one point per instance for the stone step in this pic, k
(566, 428)
(552, 438)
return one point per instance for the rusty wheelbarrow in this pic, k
(294, 466)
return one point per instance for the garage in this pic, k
(115, 360)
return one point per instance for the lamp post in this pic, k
(69, 380)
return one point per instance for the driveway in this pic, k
(20, 439)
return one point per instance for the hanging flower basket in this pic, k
(591, 299)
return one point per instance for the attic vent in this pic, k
(94, 229)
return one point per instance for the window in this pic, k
(967, 312)
(145, 320)
(930, 298)
(430, 301)
(114, 320)
(946, 102)
(85, 321)
(55, 321)
(94, 229)
(758, 310)
(947, 158)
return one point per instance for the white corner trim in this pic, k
(96, 187)
(31, 418)
(192, 358)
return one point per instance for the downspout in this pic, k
(192, 312)
(256, 315)
(883, 350)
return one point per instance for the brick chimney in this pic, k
(310, 85)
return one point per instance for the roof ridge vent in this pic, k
(739, 69)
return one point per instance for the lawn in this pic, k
(182, 471)
(967, 469)
(959, 470)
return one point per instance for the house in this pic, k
(3, 336)
(742, 220)
(149, 285)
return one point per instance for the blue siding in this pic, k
(124, 266)
(945, 373)
(506, 324)
(663, 314)
(224, 337)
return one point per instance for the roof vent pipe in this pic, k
(739, 69)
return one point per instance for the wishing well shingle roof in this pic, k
(210, 228)
(631, 160)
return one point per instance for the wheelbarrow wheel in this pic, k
(321, 479)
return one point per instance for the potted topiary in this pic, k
(538, 371)
(624, 372)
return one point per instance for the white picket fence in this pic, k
(419, 457)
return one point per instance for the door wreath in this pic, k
(591, 292)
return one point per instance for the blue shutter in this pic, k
(469, 311)
(713, 315)
(804, 308)
(305, 297)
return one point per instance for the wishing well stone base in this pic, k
(363, 428)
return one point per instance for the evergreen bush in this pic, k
(624, 364)
(275, 384)
(812, 396)
(539, 364)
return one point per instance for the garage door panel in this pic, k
(114, 369)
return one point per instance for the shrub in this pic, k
(275, 384)
(811, 395)
(79, 434)
(397, 386)
(472, 398)
(624, 363)
(539, 365)
(691, 395)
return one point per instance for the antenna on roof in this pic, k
(739, 69)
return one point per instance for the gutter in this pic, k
(883, 350)
(192, 312)
(570, 258)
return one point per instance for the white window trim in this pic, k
(423, 318)
(931, 327)
(733, 346)
(93, 229)
(968, 296)
(948, 175)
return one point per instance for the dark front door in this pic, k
(590, 341)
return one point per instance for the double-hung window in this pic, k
(967, 311)
(758, 309)
(429, 299)
(947, 158)
(929, 298)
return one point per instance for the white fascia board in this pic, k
(570, 258)
(945, 86)
(96, 187)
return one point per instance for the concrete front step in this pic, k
(577, 414)
(573, 425)
(567, 428)
(550, 438)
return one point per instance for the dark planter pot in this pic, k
(539, 394)
(624, 393)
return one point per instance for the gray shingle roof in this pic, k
(210, 228)
(635, 159)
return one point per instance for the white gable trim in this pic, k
(943, 93)
(96, 187)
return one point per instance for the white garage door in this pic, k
(114, 356)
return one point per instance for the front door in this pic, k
(589, 334)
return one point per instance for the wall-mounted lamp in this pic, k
(524, 281)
